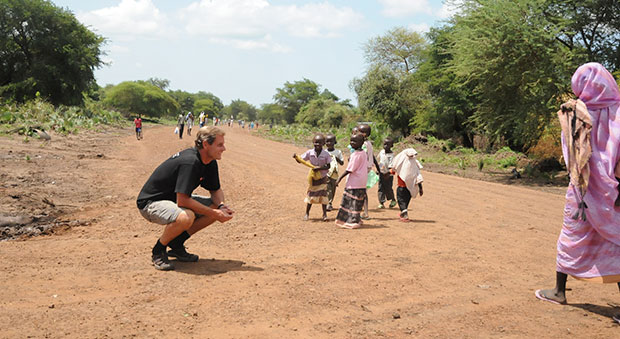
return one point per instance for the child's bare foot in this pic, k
(551, 296)
(306, 217)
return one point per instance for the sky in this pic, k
(245, 49)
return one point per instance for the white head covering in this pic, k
(407, 166)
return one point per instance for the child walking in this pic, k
(355, 188)
(386, 179)
(332, 174)
(407, 167)
(318, 159)
(365, 130)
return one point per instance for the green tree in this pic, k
(323, 112)
(208, 103)
(390, 97)
(400, 49)
(185, 99)
(161, 83)
(508, 53)
(590, 27)
(293, 96)
(46, 51)
(271, 113)
(453, 102)
(240, 110)
(131, 97)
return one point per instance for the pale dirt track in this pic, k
(466, 267)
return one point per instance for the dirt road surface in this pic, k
(466, 267)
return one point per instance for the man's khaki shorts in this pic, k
(164, 212)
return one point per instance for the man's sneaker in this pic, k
(380, 206)
(393, 203)
(182, 255)
(161, 262)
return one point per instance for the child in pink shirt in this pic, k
(355, 188)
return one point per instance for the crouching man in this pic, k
(166, 198)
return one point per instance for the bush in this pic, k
(38, 114)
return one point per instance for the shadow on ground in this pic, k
(606, 311)
(213, 266)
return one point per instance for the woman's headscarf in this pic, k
(597, 88)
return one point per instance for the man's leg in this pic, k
(177, 245)
(172, 230)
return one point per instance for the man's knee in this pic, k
(186, 218)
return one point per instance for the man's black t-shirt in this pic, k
(181, 173)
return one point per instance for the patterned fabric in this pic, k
(317, 192)
(351, 207)
(590, 248)
(576, 128)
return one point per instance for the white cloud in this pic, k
(128, 19)
(244, 24)
(250, 19)
(420, 28)
(265, 43)
(399, 8)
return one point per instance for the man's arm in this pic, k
(185, 201)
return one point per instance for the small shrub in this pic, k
(510, 161)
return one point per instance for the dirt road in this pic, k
(466, 267)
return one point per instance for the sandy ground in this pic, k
(466, 267)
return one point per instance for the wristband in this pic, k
(220, 206)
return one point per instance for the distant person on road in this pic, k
(201, 119)
(166, 198)
(181, 125)
(355, 189)
(138, 122)
(318, 159)
(407, 168)
(386, 180)
(589, 243)
(332, 174)
(190, 122)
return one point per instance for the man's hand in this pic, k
(221, 215)
(226, 209)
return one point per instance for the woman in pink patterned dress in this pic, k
(589, 243)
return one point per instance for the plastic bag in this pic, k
(373, 179)
(176, 130)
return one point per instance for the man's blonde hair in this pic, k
(207, 133)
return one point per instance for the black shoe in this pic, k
(161, 262)
(182, 255)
